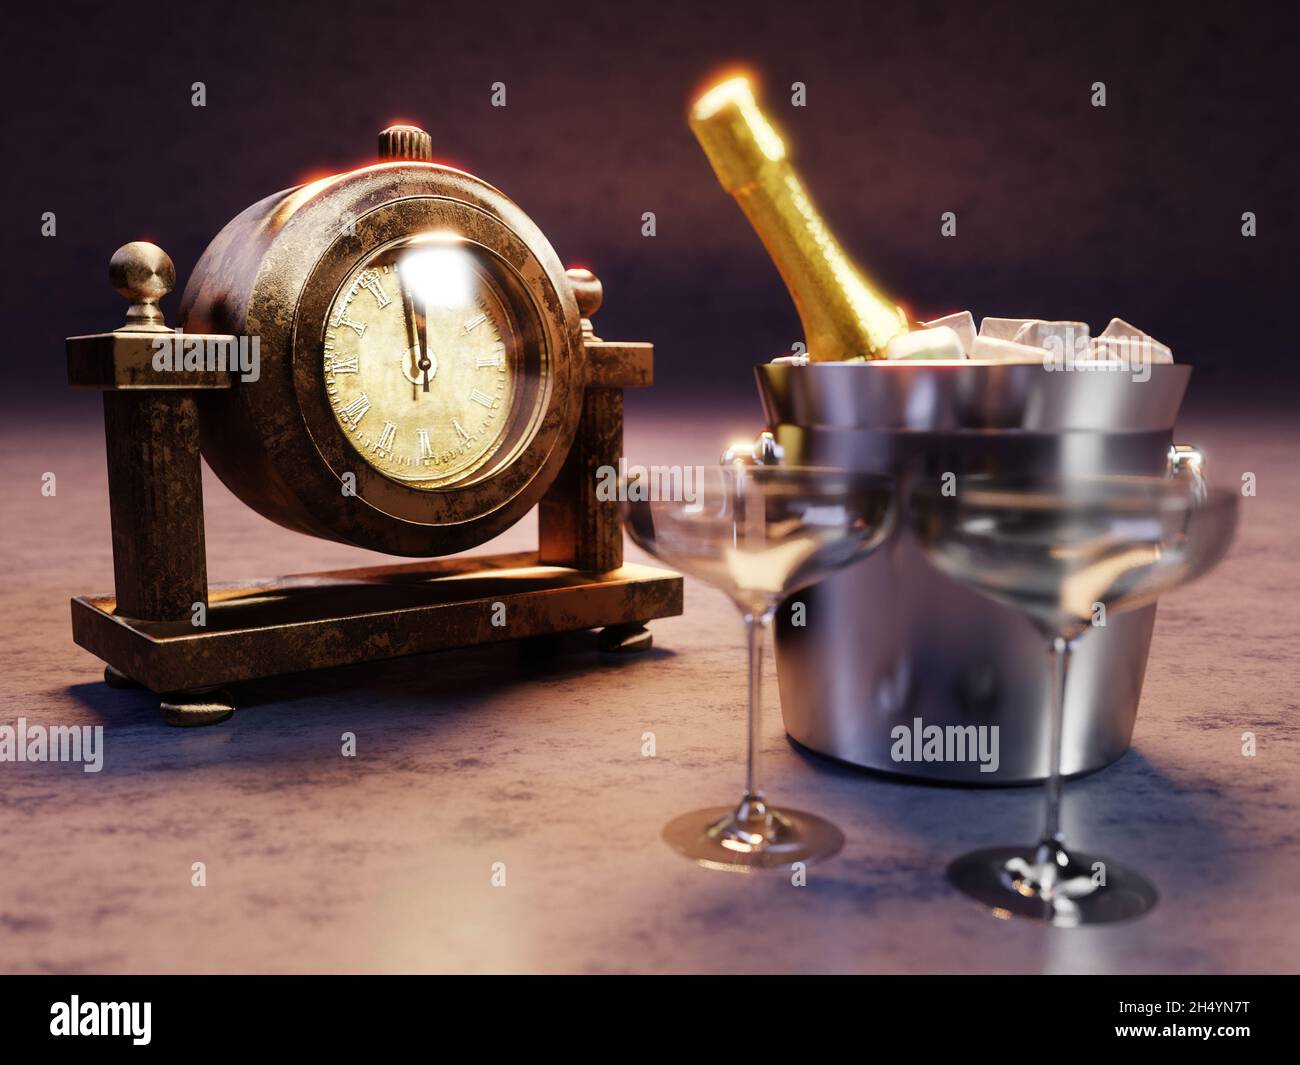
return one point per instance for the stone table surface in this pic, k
(383, 862)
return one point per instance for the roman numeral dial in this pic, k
(421, 360)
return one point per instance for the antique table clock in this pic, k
(426, 373)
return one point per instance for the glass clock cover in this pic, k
(433, 361)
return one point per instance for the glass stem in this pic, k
(1060, 665)
(756, 626)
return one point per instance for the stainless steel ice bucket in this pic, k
(892, 642)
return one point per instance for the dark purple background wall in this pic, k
(1064, 210)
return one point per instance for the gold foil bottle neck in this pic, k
(844, 315)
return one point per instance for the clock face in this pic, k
(423, 358)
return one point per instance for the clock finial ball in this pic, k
(142, 273)
(587, 290)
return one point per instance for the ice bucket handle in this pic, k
(764, 451)
(1186, 460)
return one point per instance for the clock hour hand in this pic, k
(417, 332)
(425, 360)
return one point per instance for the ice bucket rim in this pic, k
(969, 397)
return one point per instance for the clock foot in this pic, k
(115, 678)
(625, 639)
(189, 709)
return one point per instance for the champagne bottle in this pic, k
(844, 315)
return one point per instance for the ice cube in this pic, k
(1054, 336)
(1126, 342)
(1003, 328)
(962, 323)
(1064, 342)
(941, 342)
(998, 350)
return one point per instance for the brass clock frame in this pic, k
(271, 273)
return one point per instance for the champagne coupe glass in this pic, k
(1053, 549)
(759, 534)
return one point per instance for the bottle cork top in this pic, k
(734, 133)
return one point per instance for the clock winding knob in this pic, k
(405, 142)
(142, 273)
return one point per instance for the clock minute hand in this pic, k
(412, 326)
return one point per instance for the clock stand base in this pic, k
(344, 617)
(165, 629)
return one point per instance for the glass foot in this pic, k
(752, 836)
(1047, 883)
